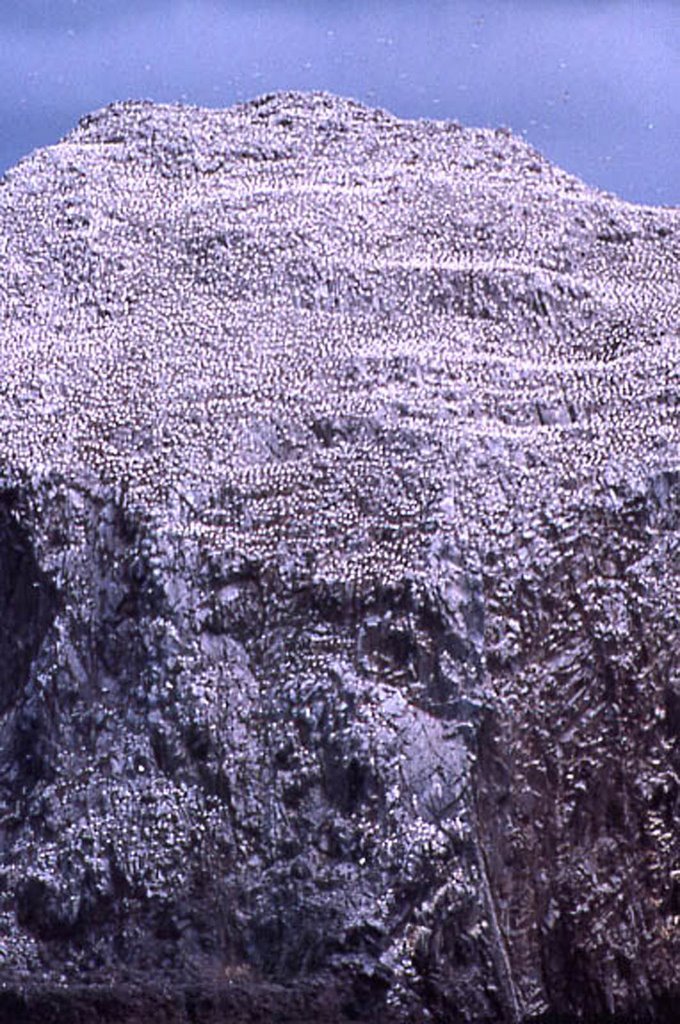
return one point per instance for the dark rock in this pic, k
(338, 575)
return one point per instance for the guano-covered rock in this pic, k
(339, 644)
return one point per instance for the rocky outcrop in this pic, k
(339, 571)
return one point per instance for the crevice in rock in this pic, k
(27, 604)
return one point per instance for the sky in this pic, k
(593, 84)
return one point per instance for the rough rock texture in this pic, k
(338, 574)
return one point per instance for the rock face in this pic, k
(338, 572)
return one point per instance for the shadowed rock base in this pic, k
(232, 1005)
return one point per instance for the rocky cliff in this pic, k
(339, 645)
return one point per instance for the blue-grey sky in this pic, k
(594, 84)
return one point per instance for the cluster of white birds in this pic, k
(190, 330)
(304, 329)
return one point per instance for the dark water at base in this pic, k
(240, 1005)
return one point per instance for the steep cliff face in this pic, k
(338, 574)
